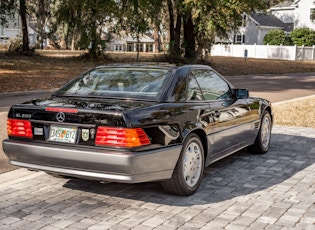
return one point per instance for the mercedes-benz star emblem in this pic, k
(60, 117)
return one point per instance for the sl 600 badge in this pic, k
(19, 115)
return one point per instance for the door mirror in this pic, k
(241, 93)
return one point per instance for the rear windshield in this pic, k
(117, 82)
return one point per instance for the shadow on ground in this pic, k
(238, 175)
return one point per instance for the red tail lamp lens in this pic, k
(121, 137)
(20, 128)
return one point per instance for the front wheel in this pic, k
(262, 142)
(188, 172)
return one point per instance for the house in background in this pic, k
(130, 44)
(286, 16)
(256, 26)
(13, 30)
(300, 13)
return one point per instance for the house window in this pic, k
(239, 39)
(151, 48)
(140, 47)
(130, 48)
(312, 14)
(118, 48)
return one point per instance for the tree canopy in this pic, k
(192, 24)
(84, 19)
(202, 20)
(7, 9)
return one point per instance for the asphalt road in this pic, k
(8, 99)
(277, 87)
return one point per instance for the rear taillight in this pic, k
(121, 137)
(20, 128)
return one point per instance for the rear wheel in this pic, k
(188, 172)
(262, 142)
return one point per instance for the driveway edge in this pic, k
(293, 100)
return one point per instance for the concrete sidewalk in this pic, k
(244, 191)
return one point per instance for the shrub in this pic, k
(303, 36)
(16, 47)
(276, 37)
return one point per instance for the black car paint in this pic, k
(224, 126)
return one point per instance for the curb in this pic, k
(280, 74)
(293, 100)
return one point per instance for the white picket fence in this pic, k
(264, 51)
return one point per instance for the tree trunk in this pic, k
(138, 48)
(174, 48)
(41, 20)
(189, 37)
(156, 39)
(94, 43)
(72, 42)
(25, 46)
(171, 15)
(67, 37)
(178, 33)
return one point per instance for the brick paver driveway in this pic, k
(244, 191)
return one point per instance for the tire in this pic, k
(188, 172)
(262, 142)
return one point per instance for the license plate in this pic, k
(62, 134)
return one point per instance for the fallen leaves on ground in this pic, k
(299, 112)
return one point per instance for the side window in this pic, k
(194, 92)
(212, 85)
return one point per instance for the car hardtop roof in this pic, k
(135, 65)
(158, 65)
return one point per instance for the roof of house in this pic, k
(117, 39)
(268, 20)
(286, 3)
(142, 38)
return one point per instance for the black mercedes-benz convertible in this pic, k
(137, 123)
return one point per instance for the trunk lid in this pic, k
(77, 118)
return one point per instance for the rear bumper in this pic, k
(127, 167)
